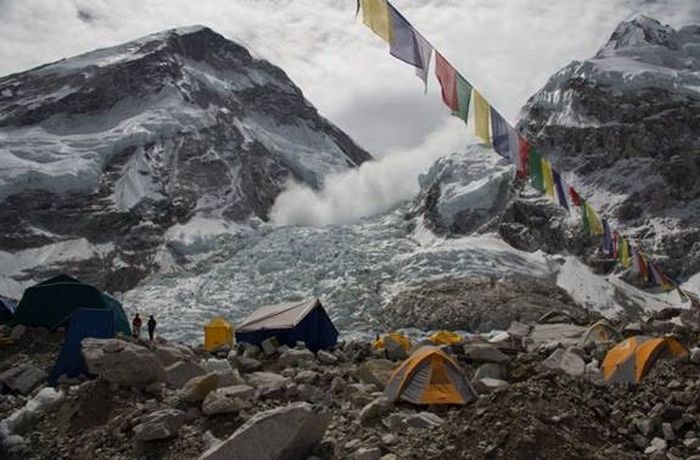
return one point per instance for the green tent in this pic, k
(51, 303)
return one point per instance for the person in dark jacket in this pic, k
(151, 327)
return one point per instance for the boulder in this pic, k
(285, 433)
(181, 372)
(423, 420)
(657, 445)
(375, 372)
(161, 424)
(266, 383)
(367, 453)
(168, 355)
(270, 346)
(695, 355)
(564, 333)
(23, 379)
(227, 400)
(326, 357)
(197, 389)
(122, 363)
(227, 375)
(245, 364)
(17, 332)
(518, 329)
(393, 349)
(483, 353)
(306, 376)
(296, 357)
(566, 361)
(490, 371)
(377, 408)
(488, 385)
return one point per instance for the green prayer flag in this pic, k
(535, 168)
(464, 96)
(584, 217)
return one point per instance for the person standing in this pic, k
(136, 326)
(151, 327)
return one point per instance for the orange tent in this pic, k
(217, 332)
(429, 376)
(630, 360)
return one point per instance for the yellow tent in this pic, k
(599, 333)
(216, 333)
(429, 376)
(630, 360)
(401, 339)
(446, 338)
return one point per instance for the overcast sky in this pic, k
(506, 48)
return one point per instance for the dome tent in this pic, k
(51, 303)
(630, 360)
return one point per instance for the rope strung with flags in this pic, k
(411, 47)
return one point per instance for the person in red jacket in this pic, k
(136, 326)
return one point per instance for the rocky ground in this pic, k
(541, 395)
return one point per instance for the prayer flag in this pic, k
(575, 197)
(535, 167)
(375, 15)
(403, 43)
(447, 77)
(559, 185)
(547, 177)
(607, 239)
(524, 151)
(425, 50)
(584, 218)
(594, 220)
(643, 267)
(464, 94)
(635, 259)
(481, 117)
(624, 252)
(616, 238)
(500, 132)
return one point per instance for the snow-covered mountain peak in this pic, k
(117, 145)
(639, 31)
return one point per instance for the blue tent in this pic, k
(84, 323)
(7, 309)
(305, 321)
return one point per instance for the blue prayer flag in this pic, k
(500, 132)
(559, 185)
(403, 43)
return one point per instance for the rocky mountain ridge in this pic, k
(107, 150)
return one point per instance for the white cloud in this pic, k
(506, 48)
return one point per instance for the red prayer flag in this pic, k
(575, 198)
(524, 152)
(447, 77)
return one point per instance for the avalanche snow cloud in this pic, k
(343, 69)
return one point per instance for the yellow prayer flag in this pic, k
(548, 177)
(624, 253)
(594, 221)
(375, 15)
(482, 112)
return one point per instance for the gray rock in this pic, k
(393, 349)
(252, 351)
(227, 375)
(640, 441)
(227, 400)
(490, 371)
(266, 383)
(245, 364)
(518, 329)
(161, 424)
(695, 355)
(326, 357)
(168, 355)
(296, 357)
(375, 372)
(657, 445)
(121, 362)
(667, 431)
(482, 353)
(306, 376)
(367, 453)
(181, 372)
(423, 420)
(17, 332)
(377, 408)
(285, 433)
(197, 389)
(566, 361)
(23, 379)
(270, 345)
(487, 385)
